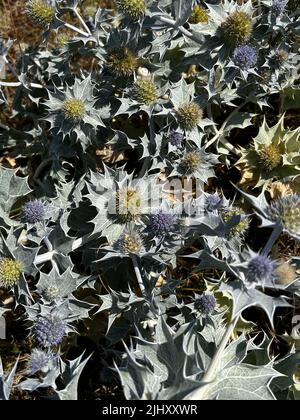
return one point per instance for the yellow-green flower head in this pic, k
(274, 154)
(270, 156)
(74, 109)
(10, 272)
(128, 205)
(237, 28)
(122, 62)
(40, 12)
(144, 91)
(199, 15)
(189, 163)
(242, 226)
(130, 243)
(189, 115)
(62, 39)
(134, 9)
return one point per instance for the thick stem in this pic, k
(42, 258)
(173, 24)
(16, 84)
(272, 239)
(138, 273)
(82, 21)
(75, 29)
(198, 394)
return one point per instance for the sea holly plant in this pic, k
(273, 155)
(149, 199)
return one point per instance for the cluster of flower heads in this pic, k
(131, 88)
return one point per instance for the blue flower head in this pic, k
(244, 57)
(49, 331)
(205, 304)
(278, 7)
(160, 223)
(261, 269)
(176, 138)
(34, 211)
(38, 360)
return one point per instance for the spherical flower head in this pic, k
(261, 269)
(213, 202)
(33, 211)
(245, 57)
(242, 226)
(74, 109)
(278, 58)
(270, 157)
(161, 224)
(129, 243)
(122, 62)
(205, 304)
(189, 115)
(190, 163)
(199, 15)
(51, 293)
(286, 210)
(145, 91)
(49, 331)
(10, 272)
(176, 138)
(40, 12)
(279, 6)
(38, 361)
(128, 205)
(237, 28)
(134, 9)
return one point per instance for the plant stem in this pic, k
(42, 258)
(16, 84)
(173, 24)
(212, 369)
(272, 239)
(75, 29)
(82, 21)
(138, 273)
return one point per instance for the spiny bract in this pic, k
(10, 272)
